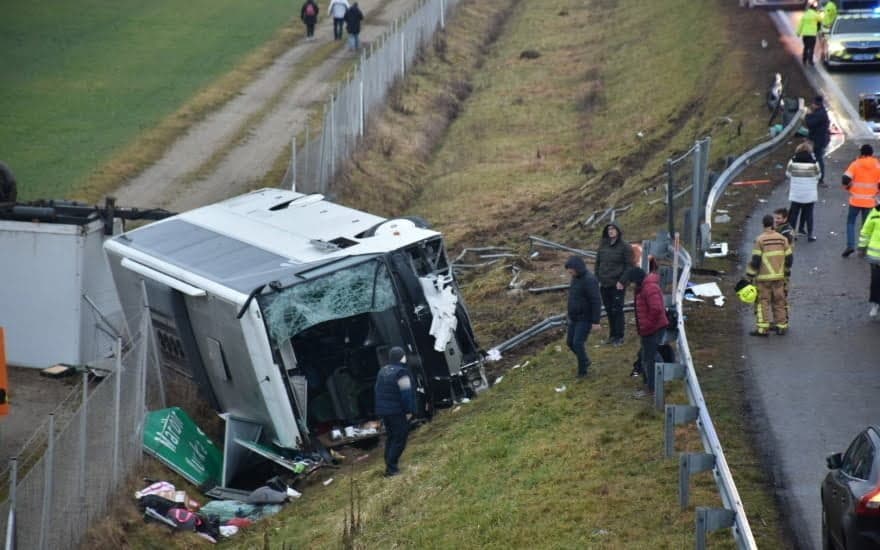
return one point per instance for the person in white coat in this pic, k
(337, 12)
(803, 175)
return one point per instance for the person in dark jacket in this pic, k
(651, 320)
(613, 259)
(819, 132)
(309, 16)
(353, 18)
(584, 309)
(395, 405)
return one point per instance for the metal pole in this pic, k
(293, 162)
(306, 159)
(670, 192)
(48, 465)
(361, 114)
(117, 396)
(83, 438)
(10, 519)
(155, 351)
(332, 136)
(696, 195)
(402, 53)
(442, 14)
(675, 251)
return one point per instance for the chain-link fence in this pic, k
(66, 473)
(687, 186)
(315, 162)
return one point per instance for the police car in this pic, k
(854, 40)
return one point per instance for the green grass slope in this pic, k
(81, 79)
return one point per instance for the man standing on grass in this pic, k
(613, 259)
(584, 309)
(395, 404)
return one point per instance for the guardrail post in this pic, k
(688, 465)
(48, 481)
(9, 543)
(675, 415)
(664, 372)
(712, 519)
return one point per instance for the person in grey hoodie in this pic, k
(337, 11)
(584, 309)
(613, 260)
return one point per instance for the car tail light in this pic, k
(869, 505)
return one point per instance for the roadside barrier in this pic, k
(732, 515)
(737, 167)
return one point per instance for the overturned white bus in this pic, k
(282, 307)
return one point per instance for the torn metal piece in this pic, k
(539, 241)
(542, 289)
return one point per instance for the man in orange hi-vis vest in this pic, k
(860, 179)
(4, 379)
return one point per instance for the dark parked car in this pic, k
(851, 495)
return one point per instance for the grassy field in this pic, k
(84, 80)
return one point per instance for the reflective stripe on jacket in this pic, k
(869, 238)
(865, 174)
(771, 257)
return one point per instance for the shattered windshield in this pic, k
(358, 289)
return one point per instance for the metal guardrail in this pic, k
(733, 514)
(740, 164)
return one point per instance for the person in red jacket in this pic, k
(651, 320)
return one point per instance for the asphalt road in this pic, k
(816, 387)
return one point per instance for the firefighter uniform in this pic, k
(770, 266)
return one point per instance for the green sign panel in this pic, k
(173, 438)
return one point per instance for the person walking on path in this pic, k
(309, 16)
(584, 311)
(803, 177)
(869, 248)
(395, 404)
(769, 267)
(860, 179)
(819, 132)
(353, 18)
(337, 11)
(808, 29)
(651, 320)
(613, 259)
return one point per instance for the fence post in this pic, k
(332, 137)
(442, 14)
(10, 518)
(361, 114)
(48, 473)
(83, 440)
(306, 154)
(670, 193)
(402, 53)
(293, 162)
(117, 397)
(155, 352)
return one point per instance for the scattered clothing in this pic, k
(226, 510)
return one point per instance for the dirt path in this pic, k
(178, 181)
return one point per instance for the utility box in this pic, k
(57, 298)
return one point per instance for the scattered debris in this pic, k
(561, 389)
(456, 409)
(498, 380)
(717, 250)
(542, 289)
(328, 481)
(493, 355)
(691, 298)
(706, 290)
(708, 366)
(530, 54)
(751, 182)
(515, 282)
(722, 218)
(539, 241)
(719, 301)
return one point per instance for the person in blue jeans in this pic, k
(861, 181)
(584, 310)
(395, 405)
